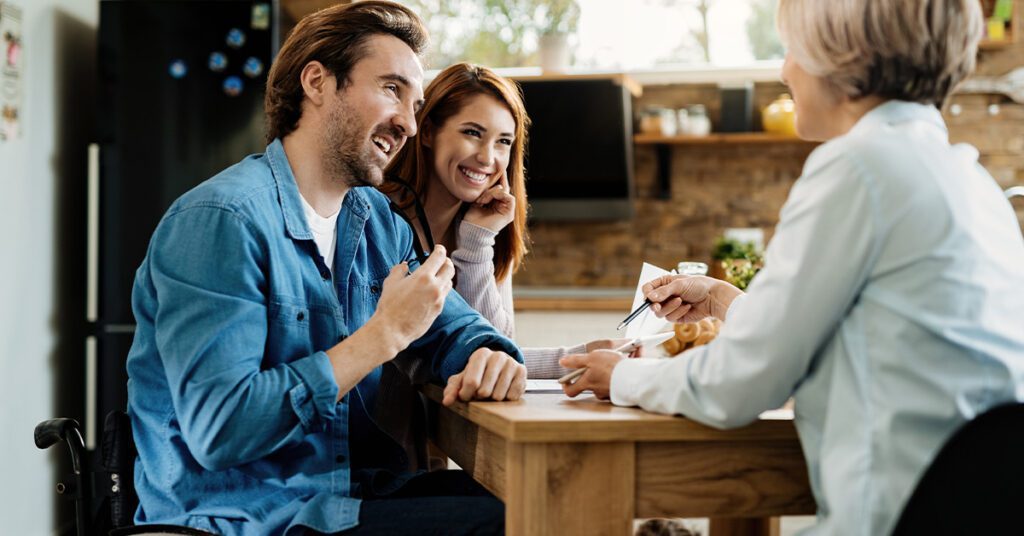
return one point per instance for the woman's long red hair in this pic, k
(444, 97)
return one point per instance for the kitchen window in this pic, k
(603, 35)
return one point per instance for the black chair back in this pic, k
(117, 459)
(975, 485)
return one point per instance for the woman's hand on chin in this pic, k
(495, 208)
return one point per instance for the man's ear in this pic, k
(316, 81)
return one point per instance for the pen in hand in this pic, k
(574, 375)
(626, 349)
(636, 312)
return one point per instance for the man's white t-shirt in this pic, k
(325, 232)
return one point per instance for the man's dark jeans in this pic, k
(440, 502)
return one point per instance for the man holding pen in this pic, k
(275, 297)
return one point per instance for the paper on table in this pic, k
(647, 323)
(543, 386)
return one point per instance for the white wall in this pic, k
(40, 253)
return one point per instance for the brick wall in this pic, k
(738, 185)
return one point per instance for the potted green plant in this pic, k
(558, 19)
(735, 261)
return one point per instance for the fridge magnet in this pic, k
(260, 19)
(178, 69)
(253, 67)
(11, 69)
(235, 38)
(218, 62)
(233, 86)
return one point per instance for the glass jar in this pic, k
(682, 121)
(779, 117)
(658, 120)
(650, 121)
(691, 268)
(699, 123)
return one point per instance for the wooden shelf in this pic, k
(574, 304)
(663, 146)
(573, 299)
(721, 137)
(987, 8)
(985, 44)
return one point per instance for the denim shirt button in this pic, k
(326, 274)
(301, 316)
(374, 289)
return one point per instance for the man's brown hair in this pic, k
(336, 37)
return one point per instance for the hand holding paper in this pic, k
(646, 323)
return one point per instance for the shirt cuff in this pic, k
(629, 377)
(314, 399)
(474, 243)
(734, 306)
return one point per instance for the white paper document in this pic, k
(647, 323)
(543, 386)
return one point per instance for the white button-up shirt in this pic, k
(891, 306)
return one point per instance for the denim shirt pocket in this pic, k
(288, 332)
(369, 292)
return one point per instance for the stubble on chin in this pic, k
(347, 159)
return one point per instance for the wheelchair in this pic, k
(975, 485)
(103, 489)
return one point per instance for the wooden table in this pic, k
(583, 466)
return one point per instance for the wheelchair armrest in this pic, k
(52, 431)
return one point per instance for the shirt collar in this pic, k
(894, 112)
(291, 200)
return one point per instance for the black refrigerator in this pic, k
(181, 85)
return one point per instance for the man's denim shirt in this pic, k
(231, 396)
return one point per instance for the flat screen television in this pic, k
(580, 156)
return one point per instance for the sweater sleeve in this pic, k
(474, 263)
(542, 363)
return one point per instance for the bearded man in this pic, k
(273, 295)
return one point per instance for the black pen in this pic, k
(636, 312)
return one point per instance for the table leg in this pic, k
(570, 488)
(744, 526)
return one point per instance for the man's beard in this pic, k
(347, 155)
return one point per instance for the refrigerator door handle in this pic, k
(90, 392)
(92, 237)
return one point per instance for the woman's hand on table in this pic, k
(597, 378)
(689, 298)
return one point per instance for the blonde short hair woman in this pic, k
(889, 306)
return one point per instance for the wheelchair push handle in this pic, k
(53, 431)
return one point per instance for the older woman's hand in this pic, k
(597, 378)
(689, 298)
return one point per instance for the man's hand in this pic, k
(689, 298)
(409, 303)
(597, 378)
(495, 208)
(488, 375)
